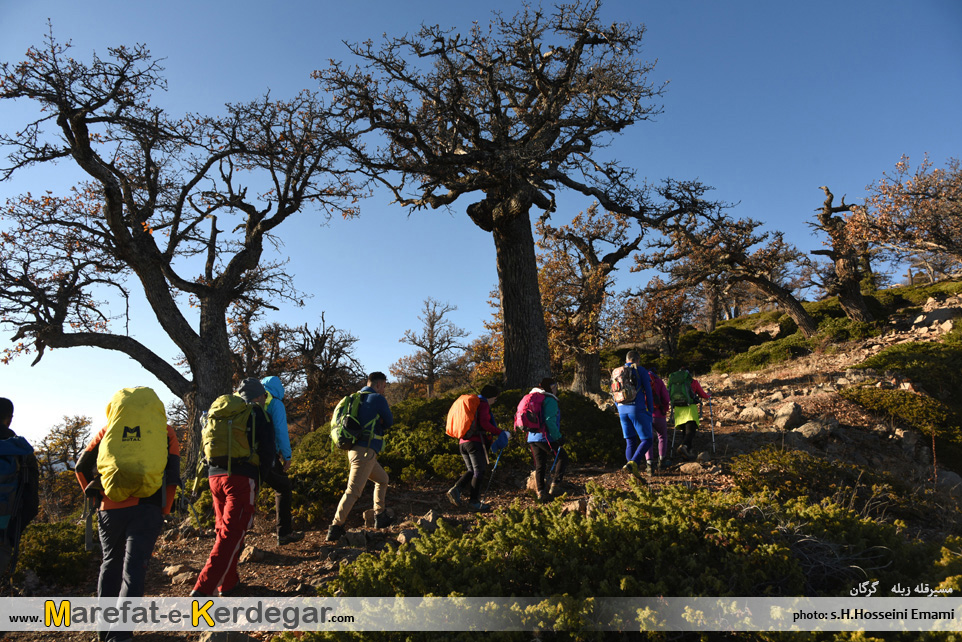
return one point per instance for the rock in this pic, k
(225, 636)
(909, 440)
(357, 539)
(578, 506)
(596, 508)
(950, 482)
(407, 535)
(842, 381)
(703, 457)
(184, 578)
(789, 416)
(252, 554)
(813, 430)
(692, 468)
(428, 523)
(531, 484)
(369, 516)
(778, 395)
(176, 569)
(753, 414)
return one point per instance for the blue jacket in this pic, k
(552, 418)
(374, 406)
(278, 413)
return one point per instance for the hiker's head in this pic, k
(548, 384)
(6, 411)
(378, 381)
(251, 390)
(490, 393)
(632, 357)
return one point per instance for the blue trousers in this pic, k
(127, 536)
(636, 428)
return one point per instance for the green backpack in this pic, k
(346, 428)
(679, 388)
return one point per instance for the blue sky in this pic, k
(766, 101)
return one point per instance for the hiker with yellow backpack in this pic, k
(131, 469)
(470, 421)
(238, 444)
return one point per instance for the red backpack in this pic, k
(530, 415)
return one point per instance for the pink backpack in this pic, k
(529, 415)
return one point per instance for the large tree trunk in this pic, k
(212, 368)
(587, 374)
(788, 303)
(526, 356)
(849, 292)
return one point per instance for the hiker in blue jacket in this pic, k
(636, 416)
(362, 458)
(277, 478)
(24, 505)
(547, 447)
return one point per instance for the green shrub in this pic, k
(700, 350)
(676, 542)
(937, 367)
(766, 354)
(55, 552)
(837, 330)
(921, 412)
(869, 492)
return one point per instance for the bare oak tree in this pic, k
(845, 276)
(504, 116)
(694, 248)
(182, 208)
(438, 347)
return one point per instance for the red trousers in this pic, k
(233, 497)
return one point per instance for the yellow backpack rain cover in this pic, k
(133, 452)
(225, 434)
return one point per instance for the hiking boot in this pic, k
(554, 489)
(335, 532)
(196, 593)
(383, 520)
(479, 507)
(234, 590)
(649, 468)
(293, 536)
(683, 451)
(543, 497)
(664, 463)
(632, 469)
(454, 496)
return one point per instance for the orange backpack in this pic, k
(463, 417)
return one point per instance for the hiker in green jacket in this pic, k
(684, 391)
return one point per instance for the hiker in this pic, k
(277, 478)
(546, 445)
(131, 470)
(659, 424)
(362, 458)
(473, 446)
(234, 482)
(19, 488)
(635, 412)
(683, 391)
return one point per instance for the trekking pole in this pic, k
(491, 476)
(711, 418)
(557, 453)
(674, 432)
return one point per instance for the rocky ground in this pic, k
(795, 404)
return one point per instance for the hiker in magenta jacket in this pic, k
(474, 451)
(659, 423)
